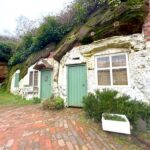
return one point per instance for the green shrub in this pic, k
(45, 104)
(36, 100)
(113, 117)
(53, 103)
(59, 103)
(5, 51)
(110, 101)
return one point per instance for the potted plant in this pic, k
(115, 123)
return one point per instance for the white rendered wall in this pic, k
(138, 64)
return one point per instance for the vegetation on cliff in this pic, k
(82, 22)
(54, 28)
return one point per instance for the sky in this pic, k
(10, 10)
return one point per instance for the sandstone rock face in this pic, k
(3, 71)
(138, 64)
(103, 23)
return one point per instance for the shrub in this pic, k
(54, 28)
(36, 100)
(113, 117)
(59, 103)
(110, 101)
(53, 103)
(5, 51)
(45, 104)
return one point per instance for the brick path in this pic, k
(31, 128)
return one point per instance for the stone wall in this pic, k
(138, 64)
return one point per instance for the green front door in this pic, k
(77, 84)
(45, 84)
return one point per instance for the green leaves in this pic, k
(50, 31)
(5, 51)
(110, 101)
(54, 28)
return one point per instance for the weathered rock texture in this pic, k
(122, 20)
(31, 60)
(146, 27)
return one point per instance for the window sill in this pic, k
(113, 86)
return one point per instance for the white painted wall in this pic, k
(139, 66)
(138, 62)
(25, 81)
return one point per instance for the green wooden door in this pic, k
(45, 84)
(77, 84)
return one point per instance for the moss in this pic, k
(129, 22)
(66, 46)
(113, 44)
(83, 32)
(101, 22)
(87, 40)
(32, 59)
(67, 37)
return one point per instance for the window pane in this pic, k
(104, 77)
(36, 78)
(17, 80)
(119, 60)
(31, 78)
(103, 62)
(120, 77)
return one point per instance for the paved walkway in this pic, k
(31, 128)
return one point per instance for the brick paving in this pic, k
(31, 128)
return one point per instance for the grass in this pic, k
(10, 99)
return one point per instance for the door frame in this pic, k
(41, 81)
(70, 65)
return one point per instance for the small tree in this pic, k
(24, 25)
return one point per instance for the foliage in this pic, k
(36, 100)
(110, 101)
(50, 31)
(53, 103)
(113, 117)
(134, 2)
(59, 103)
(54, 28)
(5, 51)
(22, 51)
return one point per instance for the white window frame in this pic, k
(33, 78)
(111, 68)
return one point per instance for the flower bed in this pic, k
(115, 123)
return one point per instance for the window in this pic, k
(16, 80)
(33, 78)
(112, 70)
